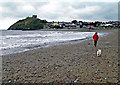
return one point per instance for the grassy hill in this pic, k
(29, 23)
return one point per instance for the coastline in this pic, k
(65, 63)
(17, 43)
(22, 48)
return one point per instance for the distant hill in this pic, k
(29, 23)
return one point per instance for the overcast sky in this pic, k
(57, 10)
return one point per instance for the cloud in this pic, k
(25, 8)
(58, 10)
(7, 22)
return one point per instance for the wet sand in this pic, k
(65, 63)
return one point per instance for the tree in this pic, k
(74, 21)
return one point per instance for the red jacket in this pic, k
(95, 37)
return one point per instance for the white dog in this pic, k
(99, 52)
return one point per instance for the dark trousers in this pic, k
(95, 43)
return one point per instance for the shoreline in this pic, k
(45, 45)
(65, 63)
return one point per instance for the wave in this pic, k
(23, 40)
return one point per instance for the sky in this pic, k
(57, 10)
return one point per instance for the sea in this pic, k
(15, 41)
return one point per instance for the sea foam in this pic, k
(18, 41)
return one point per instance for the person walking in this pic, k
(95, 37)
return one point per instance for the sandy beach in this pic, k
(76, 63)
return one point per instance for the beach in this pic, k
(67, 63)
